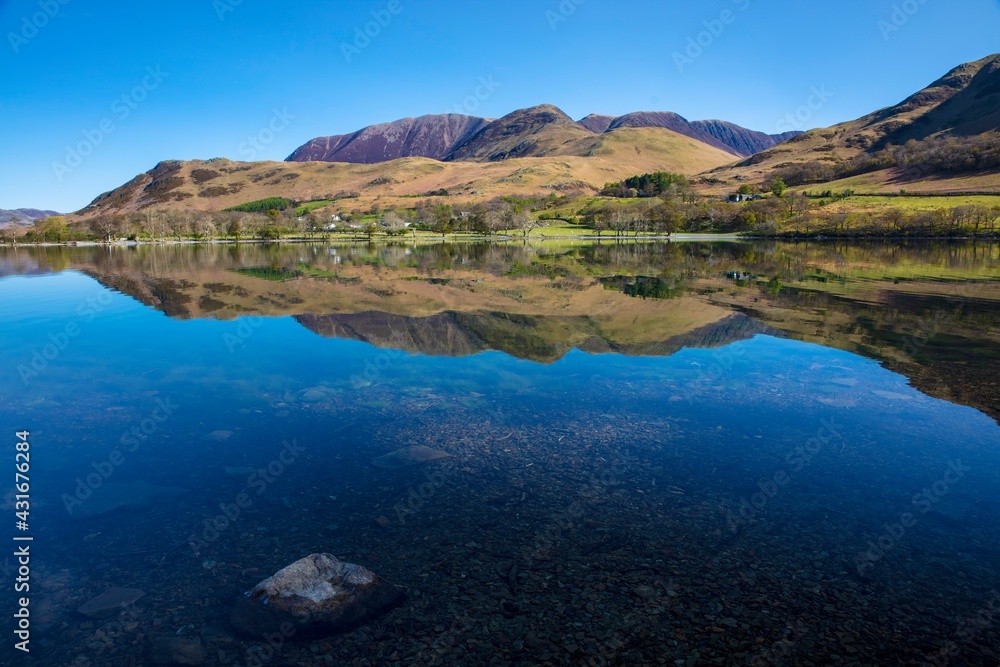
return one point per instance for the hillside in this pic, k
(435, 137)
(965, 102)
(726, 136)
(597, 123)
(535, 132)
(592, 161)
(745, 142)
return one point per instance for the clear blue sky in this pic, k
(223, 78)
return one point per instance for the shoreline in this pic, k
(472, 238)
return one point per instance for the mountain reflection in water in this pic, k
(927, 310)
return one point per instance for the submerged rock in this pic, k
(314, 597)
(409, 456)
(177, 651)
(313, 394)
(110, 602)
(113, 497)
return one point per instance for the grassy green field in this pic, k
(312, 206)
(912, 203)
(558, 228)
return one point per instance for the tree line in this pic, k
(918, 158)
(657, 184)
(791, 214)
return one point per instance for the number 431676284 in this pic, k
(22, 481)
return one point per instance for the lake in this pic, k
(746, 453)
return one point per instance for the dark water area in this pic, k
(677, 454)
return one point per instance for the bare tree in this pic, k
(108, 227)
(12, 232)
(492, 220)
(156, 225)
(393, 222)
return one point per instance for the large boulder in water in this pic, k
(314, 597)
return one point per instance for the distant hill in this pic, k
(24, 216)
(962, 104)
(576, 162)
(597, 123)
(727, 136)
(533, 132)
(428, 136)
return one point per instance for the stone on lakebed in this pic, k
(177, 651)
(113, 497)
(317, 596)
(409, 456)
(110, 602)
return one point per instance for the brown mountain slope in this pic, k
(743, 141)
(597, 123)
(965, 101)
(434, 136)
(725, 136)
(671, 121)
(534, 132)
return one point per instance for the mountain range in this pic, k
(523, 133)
(542, 151)
(23, 216)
